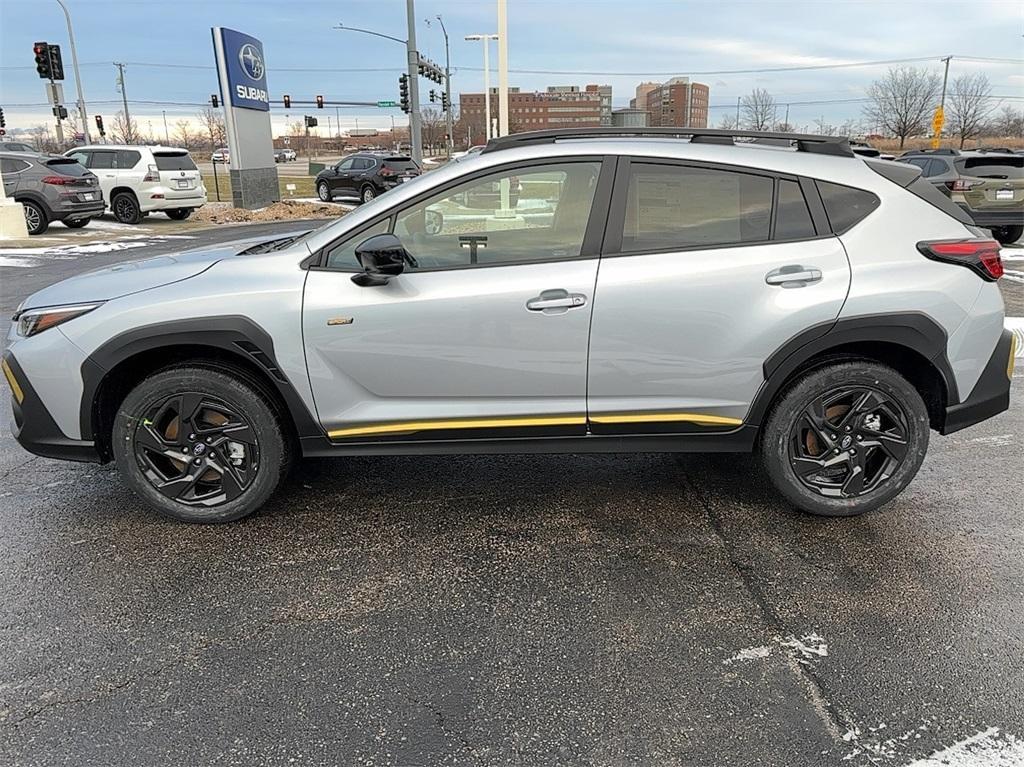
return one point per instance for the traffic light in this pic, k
(287, 101)
(311, 122)
(60, 112)
(445, 105)
(42, 52)
(99, 125)
(3, 122)
(56, 63)
(319, 102)
(433, 96)
(403, 92)
(214, 101)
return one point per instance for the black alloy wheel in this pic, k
(196, 450)
(126, 208)
(848, 441)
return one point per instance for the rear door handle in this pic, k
(556, 301)
(793, 276)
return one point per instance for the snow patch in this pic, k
(985, 749)
(749, 653)
(807, 646)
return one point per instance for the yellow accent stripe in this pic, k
(1013, 357)
(13, 382)
(409, 427)
(698, 418)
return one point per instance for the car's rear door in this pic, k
(484, 335)
(706, 272)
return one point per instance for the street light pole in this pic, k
(502, 67)
(449, 121)
(78, 76)
(486, 39)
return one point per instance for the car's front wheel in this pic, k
(323, 191)
(35, 217)
(199, 444)
(1007, 235)
(179, 214)
(126, 208)
(845, 438)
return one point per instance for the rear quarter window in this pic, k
(126, 158)
(173, 161)
(845, 206)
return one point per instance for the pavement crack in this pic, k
(442, 724)
(835, 721)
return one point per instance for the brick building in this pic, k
(677, 103)
(563, 106)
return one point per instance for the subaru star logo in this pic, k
(252, 61)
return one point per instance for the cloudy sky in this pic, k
(169, 56)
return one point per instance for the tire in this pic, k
(126, 208)
(1007, 235)
(179, 214)
(323, 191)
(35, 217)
(367, 194)
(77, 223)
(240, 463)
(825, 466)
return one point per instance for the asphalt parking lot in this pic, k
(521, 610)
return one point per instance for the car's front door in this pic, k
(485, 333)
(703, 278)
(341, 181)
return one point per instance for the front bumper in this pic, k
(991, 395)
(34, 427)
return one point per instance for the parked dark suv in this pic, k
(988, 185)
(365, 175)
(52, 188)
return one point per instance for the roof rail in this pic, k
(996, 149)
(838, 146)
(949, 152)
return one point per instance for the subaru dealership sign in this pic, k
(246, 70)
(242, 75)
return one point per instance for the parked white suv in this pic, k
(137, 180)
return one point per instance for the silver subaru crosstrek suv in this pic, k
(642, 290)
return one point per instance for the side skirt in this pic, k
(739, 440)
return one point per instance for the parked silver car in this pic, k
(51, 188)
(642, 293)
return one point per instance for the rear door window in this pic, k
(793, 218)
(992, 167)
(173, 161)
(673, 206)
(102, 161)
(844, 205)
(10, 165)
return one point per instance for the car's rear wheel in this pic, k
(126, 208)
(845, 438)
(323, 191)
(367, 194)
(76, 223)
(199, 444)
(179, 214)
(35, 217)
(1007, 235)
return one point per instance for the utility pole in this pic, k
(415, 118)
(945, 79)
(78, 76)
(486, 39)
(167, 135)
(738, 112)
(124, 97)
(787, 116)
(940, 113)
(502, 67)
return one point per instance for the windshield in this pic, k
(173, 161)
(67, 166)
(992, 167)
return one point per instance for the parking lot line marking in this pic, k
(984, 749)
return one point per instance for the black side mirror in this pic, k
(382, 257)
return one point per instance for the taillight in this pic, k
(979, 255)
(961, 185)
(58, 180)
(152, 174)
(386, 171)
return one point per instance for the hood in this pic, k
(129, 277)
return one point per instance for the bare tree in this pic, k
(125, 131)
(970, 104)
(758, 110)
(433, 126)
(903, 100)
(1008, 123)
(728, 122)
(184, 134)
(213, 123)
(42, 138)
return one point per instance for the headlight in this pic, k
(32, 321)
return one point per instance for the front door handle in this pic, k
(556, 301)
(793, 276)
